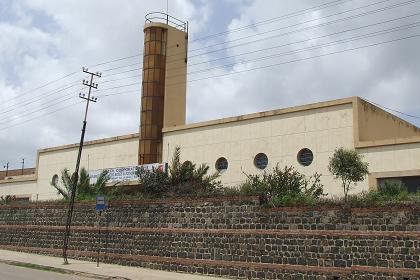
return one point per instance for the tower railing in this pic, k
(167, 19)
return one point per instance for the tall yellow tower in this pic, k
(163, 98)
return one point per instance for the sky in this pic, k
(244, 57)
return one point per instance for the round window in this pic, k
(305, 157)
(221, 164)
(261, 161)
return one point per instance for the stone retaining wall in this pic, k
(228, 236)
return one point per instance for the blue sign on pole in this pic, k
(100, 203)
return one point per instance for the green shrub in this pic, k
(7, 199)
(84, 189)
(283, 185)
(390, 195)
(183, 179)
(393, 189)
(293, 199)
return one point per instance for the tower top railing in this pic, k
(167, 19)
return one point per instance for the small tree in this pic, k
(348, 166)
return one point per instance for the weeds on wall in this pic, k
(391, 194)
(182, 179)
(284, 186)
(7, 199)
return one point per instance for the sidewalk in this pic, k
(89, 269)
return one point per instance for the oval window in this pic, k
(54, 180)
(261, 161)
(305, 157)
(221, 164)
(187, 163)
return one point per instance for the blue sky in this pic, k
(42, 40)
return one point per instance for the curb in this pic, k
(62, 270)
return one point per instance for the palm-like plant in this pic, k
(84, 189)
(182, 179)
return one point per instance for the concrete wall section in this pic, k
(176, 78)
(233, 237)
(98, 154)
(391, 161)
(376, 124)
(23, 188)
(280, 137)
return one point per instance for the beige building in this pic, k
(304, 136)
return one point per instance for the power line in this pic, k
(296, 30)
(376, 33)
(345, 40)
(34, 100)
(306, 40)
(326, 4)
(279, 35)
(132, 84)
(296, 13)
(301, 59)
(305, 28)
(39, 87)
(40, 116)
(393, 110)
(211, 77)
(285, 27)
(268, 21)
(264, 67)
(335, 42)
(38, 110)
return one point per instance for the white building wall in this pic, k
(399, 160)
(117, 153)
(280, 137)
(392, 157)
(100, 154)
(19, 189)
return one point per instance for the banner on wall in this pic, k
(125, 174)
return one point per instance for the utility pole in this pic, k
(75, 176)
(7, 168)
(23, 165)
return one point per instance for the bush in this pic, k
(84, 189)
(393, 189)
(283, 186)
(300, 199)
(7, 199)
(391, 194)
(183, 179)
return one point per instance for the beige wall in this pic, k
(105, 153)
(376, 124)
(279, 136)
(176, 78)
(20, 188)
(391, 161)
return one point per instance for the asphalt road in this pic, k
(10, 272)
